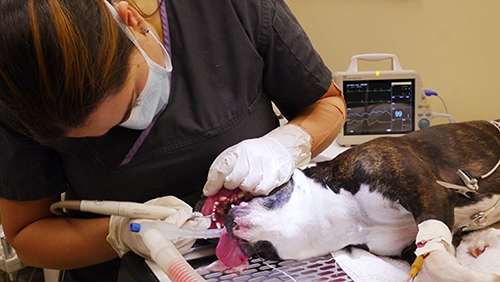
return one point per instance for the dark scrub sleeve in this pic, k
(295, 75)
(28, 171)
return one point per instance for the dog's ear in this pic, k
(280, 196)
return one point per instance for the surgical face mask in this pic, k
(156, 92)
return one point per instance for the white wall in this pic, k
(453, 44)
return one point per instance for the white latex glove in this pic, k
(123, 240)
(262, 164)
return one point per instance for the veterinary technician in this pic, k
(135, 101)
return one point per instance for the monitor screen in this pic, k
(379, 106)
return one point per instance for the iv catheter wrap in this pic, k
(433, 235)
(164, 253)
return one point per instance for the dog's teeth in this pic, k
(241, 194)
(223, 198)
(219, 226)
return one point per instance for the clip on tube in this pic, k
(164, 253)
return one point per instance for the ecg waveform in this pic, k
(357, 118)
(368, 113)
(369, 118)
(370, 123)
(361, 103)
(361, 90)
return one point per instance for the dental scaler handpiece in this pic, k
(126, 209)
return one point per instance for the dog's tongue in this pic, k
(228, 251)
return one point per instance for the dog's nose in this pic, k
(234, 219)
(230, 223)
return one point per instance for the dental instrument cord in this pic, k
(272, 266)
(58, 208)
(275, 268)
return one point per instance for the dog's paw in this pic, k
(478, 242)
(441, 266)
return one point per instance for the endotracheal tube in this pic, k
(159, 236)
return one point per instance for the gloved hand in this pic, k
(123, 240)
(262, 164)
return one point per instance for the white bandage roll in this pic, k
(433, 235)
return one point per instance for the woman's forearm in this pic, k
(42, 239)
(323, 120)
(63, 243)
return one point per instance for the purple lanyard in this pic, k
(166, 41)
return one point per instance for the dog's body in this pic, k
(375, 195)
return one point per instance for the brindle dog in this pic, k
(382, 195)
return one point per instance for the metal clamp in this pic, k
(478, 217)
(474, 223)
(457, 188)
(468, 180)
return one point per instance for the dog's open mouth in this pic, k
(229, 250)
(219, 205)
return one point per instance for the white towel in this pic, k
(489, 261)
(363, 266)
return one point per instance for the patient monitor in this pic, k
(381, 103)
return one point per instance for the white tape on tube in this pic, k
(433, 235)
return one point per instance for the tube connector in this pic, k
(172, 232)
(168, 258)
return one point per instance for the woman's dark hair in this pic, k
(58, 60)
